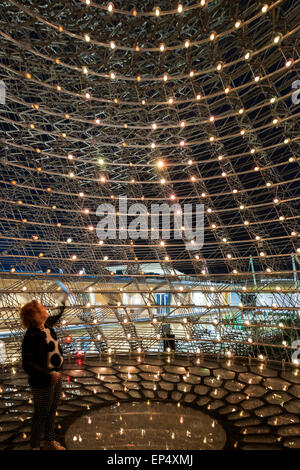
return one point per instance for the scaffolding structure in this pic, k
(184, 105)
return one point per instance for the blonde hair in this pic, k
(27, 314)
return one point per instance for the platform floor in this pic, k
(156, 402)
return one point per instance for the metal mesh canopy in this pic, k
(192, 103)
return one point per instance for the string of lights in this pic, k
(192, 103)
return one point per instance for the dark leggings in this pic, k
(45, 402)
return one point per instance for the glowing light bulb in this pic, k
(277, 39)
(157, 11)
(187, 43)
(110, 7)
(180, 8)
(237, 24)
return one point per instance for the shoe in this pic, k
(53, 445)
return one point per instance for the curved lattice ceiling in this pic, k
(190, 104)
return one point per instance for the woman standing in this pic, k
(42, 360)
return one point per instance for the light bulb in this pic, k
(277, 38)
